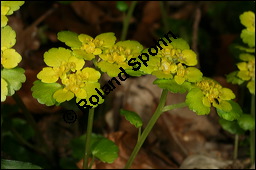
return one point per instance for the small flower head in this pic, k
(174, 61)
(247, 71)
(209, 93)
(61, 61)
(80, 84)
(86, 47)
(118, 56)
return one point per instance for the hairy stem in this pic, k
(236, 147)
(127, 20)
(88, 139)
(252, 134)
(148, 128)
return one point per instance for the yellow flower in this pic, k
(215, 94)
(247, 71)
(79, 84)
(9, 57)
(118, 56)
(61, 61)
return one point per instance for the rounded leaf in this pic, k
(132, 117)
(8, 37)
(246, 122)
(10, 58)
(194, 100)
(231, 126)
(4, 90)
(43, 92)
(233, 114)
(14, 77)
(56, 56)
(70, 39)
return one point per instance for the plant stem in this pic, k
(148, 128)
(236, 147)
(164, 16)
(252, 134)
(174, 106)
(88, 138)
(127, 20)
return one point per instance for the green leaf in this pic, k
(104, 149)
(4, 89)
(134, 73)
(14, 77)
(231, 126)
(233, 114)
(132, 117)
(43, 92)
(108, 39)
(101, 147)
(180, 43)
(69, 38)
(11, 164)
(172, 86)
(194, 100)
(246, 122)
(8, 37)
(246, 49)
(248, 37)
(121, 6)
(14, 5)
(232, 78)
(248, 19)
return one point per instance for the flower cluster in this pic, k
(246, 73)
(10, 58)
(207, 93)
(174, 61)
(66, 73)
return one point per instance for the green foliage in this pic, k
(233, 114)
(246, 68)
(13, 79)
(7, 8)
(248, 34)
(44, 92)
(132, 117)
(172, 86)
(101, 148)
(11, 76)
(231, 126)
(246, 122)
(11, 164)
(121, 6)
(104, 149)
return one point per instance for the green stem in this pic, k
(139, 134)
(252, 134)
(88, 138)
(127, 20)
(174, 106)
(148, 128)
(164, 16)
(236, 147)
